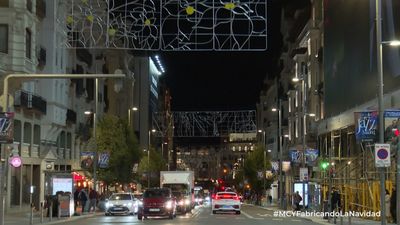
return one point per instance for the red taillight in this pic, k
(216, 197)
(236, 198)
(213, 196)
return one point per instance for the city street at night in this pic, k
(202, 215)
(200, 112)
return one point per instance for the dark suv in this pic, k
(157, 202)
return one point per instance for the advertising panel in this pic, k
(103, 160)
(62, 184)
(392, 125)
(366, 125)
(6, 127)
(87, 160)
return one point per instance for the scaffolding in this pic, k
(352, 171)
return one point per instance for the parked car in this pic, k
(157, 202)
(226, 202)
(121, 203)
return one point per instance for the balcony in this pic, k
(30, 101)
(71, 116)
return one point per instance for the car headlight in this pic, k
(108, 205)
(168, 205)
(187, 202)
(207, 198)
(129, 204)
(140, 203)
(181, 202)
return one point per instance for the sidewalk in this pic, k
(320, 220)
(22, 218)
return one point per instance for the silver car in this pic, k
(121, 204)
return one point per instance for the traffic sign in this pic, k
(382, 155)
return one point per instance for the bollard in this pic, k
(41, 212)
(51, 211)
(31, 217)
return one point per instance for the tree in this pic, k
(115, 137)
(157, 164)
(254, 164)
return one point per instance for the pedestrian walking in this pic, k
(93, 200)
(335, 199)
(83, 197)
(76, 199)
(296, 200)
(387, 205)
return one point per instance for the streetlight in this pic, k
(148, 157)
(265, 156)
(134, 109)
(303, 78)
(279, 110)
(162, 149)
(379, 44)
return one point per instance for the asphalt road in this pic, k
(200, 216)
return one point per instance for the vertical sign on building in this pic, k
(7, 127)
(303, 174)
(366, 124)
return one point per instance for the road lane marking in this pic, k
(277, 219)
(296, 220)
(247, 215)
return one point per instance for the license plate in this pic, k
(226, 206)
(116, 208)
(154, 210)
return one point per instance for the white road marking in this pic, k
(296, 220)
(277, 219)
(247, 215)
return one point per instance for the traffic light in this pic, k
(324, 165)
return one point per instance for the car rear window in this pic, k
(227, 196)
(156, 193)
(120, 197)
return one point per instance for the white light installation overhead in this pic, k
(159, 64)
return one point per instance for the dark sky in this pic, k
(222, 80)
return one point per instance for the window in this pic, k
(28, 44)
(3, 3)
(29, 5)
(4, 38)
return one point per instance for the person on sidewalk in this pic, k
(335, 200)
(387, 205)
(393, 205)
(93, 200)
(83, 197)
(76, 199)
(296, 200)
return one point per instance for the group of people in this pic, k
(82, 196)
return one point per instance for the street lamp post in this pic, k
(280, 150)
(134, 109)
(379, 44)
(148, 157)
(5, 107)
(264, 158)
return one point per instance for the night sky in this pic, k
(201, 81)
